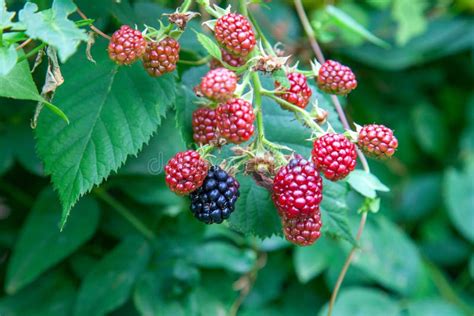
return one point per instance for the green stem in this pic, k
(243, 8)
(185, 6)
(125, 213)
(258, 109)
(291, 107)
(31, 52)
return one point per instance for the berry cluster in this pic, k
(226, 116)
(127, 46)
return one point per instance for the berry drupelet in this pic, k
(215, 200)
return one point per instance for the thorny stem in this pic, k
(262, 37)
(258, 109)
(291, 107)
(319, 55)
(309, 31)
(126, 214)
(92, 25)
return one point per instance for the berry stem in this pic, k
(258, 110)
(262, 37)
(92, 25)
(185, 6)
(126, 214)
(319, 55)
(297, 110)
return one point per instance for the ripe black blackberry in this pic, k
(214, 201)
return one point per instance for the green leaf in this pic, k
(366, 183)
(5, 16)
(114, 111)
(459, 198)
(281, 77)
(311, 261)
(345, 21)
(8, 57)
(410, 17)
(53, 27)
(19, 84)
(334, 211)
(209, 45)
(41, 245)
(254, 212)
(432, 307)
(51, 295)
(381, 245)
(110, 282)
(223, 255)
(152, 296)
(154, 155)
(358, 301)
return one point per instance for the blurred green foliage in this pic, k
(416, 254)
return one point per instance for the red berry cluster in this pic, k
(336, 78)
(161, 57)
(218, 84)
(299, 92)
(235, 34)
(334, 155)
(297, 193)
(127, 45)
(185, 172)
(377, 141)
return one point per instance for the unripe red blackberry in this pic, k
(126, 45)
(303, 230)
(231, 60)
(218, 84)
(185, 172)
(234, 32)
(297, 189)
(335, 78)
(235, 120)
(205, 126)
(161, 57)
(334, 155)
(299, 92)
(377, 141)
